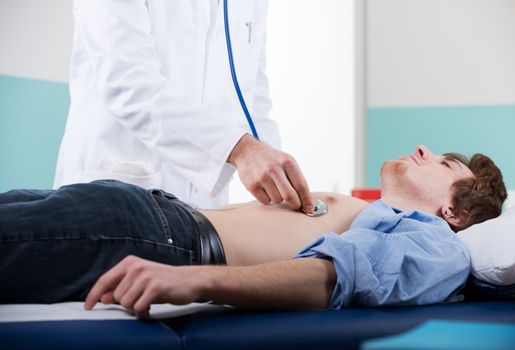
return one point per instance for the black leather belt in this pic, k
(211, 249)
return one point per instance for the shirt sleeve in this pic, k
(127, 73)
(374, 268)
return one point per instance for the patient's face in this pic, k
(423, 175)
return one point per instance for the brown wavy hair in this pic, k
(481, 197)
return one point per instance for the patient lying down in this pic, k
(117, 243)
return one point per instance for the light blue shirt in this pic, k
(393, 257)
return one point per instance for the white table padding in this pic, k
(75, 311)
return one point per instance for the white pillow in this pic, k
(492, 249)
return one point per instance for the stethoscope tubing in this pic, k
(233, 74)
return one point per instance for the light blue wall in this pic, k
(392, 132)
(33, 115)
(32, 118)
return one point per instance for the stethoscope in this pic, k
(233, 74)
(321, 207)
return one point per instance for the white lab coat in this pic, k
(152, 99)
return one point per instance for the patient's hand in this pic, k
(136, 283)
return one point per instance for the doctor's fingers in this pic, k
(260, 194)
(287, 191)
(270, 186)
(299, 183)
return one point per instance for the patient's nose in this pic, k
(423, 152)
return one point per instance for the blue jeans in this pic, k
(54, 244)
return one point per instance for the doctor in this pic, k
(153, 103)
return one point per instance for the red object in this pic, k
(367, 194)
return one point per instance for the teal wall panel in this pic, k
(33, 115)
(32, 119)
(392, 132)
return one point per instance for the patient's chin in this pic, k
(393, 168)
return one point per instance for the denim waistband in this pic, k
(211, 248)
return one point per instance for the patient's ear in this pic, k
(455, 218)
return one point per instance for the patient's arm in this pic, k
(286, 284)
(136, 283)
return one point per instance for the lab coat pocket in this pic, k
(247, 51)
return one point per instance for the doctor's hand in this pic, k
(136, 283)
(270, 175)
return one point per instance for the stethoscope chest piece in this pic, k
(321, 208)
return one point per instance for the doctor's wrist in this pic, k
(242, 149)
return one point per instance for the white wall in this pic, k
(36, 38)
(311, 72)
(440, 52)
(510, 201)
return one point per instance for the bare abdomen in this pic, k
(253, 233)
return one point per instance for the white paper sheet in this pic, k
(75, 311)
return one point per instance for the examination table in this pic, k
(229, 328)
(235, 329)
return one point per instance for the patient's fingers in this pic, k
(107, 282)
(129, 298)
(142, 306)
(125, 284)
(107, 298)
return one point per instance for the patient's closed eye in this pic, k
(445, 163)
